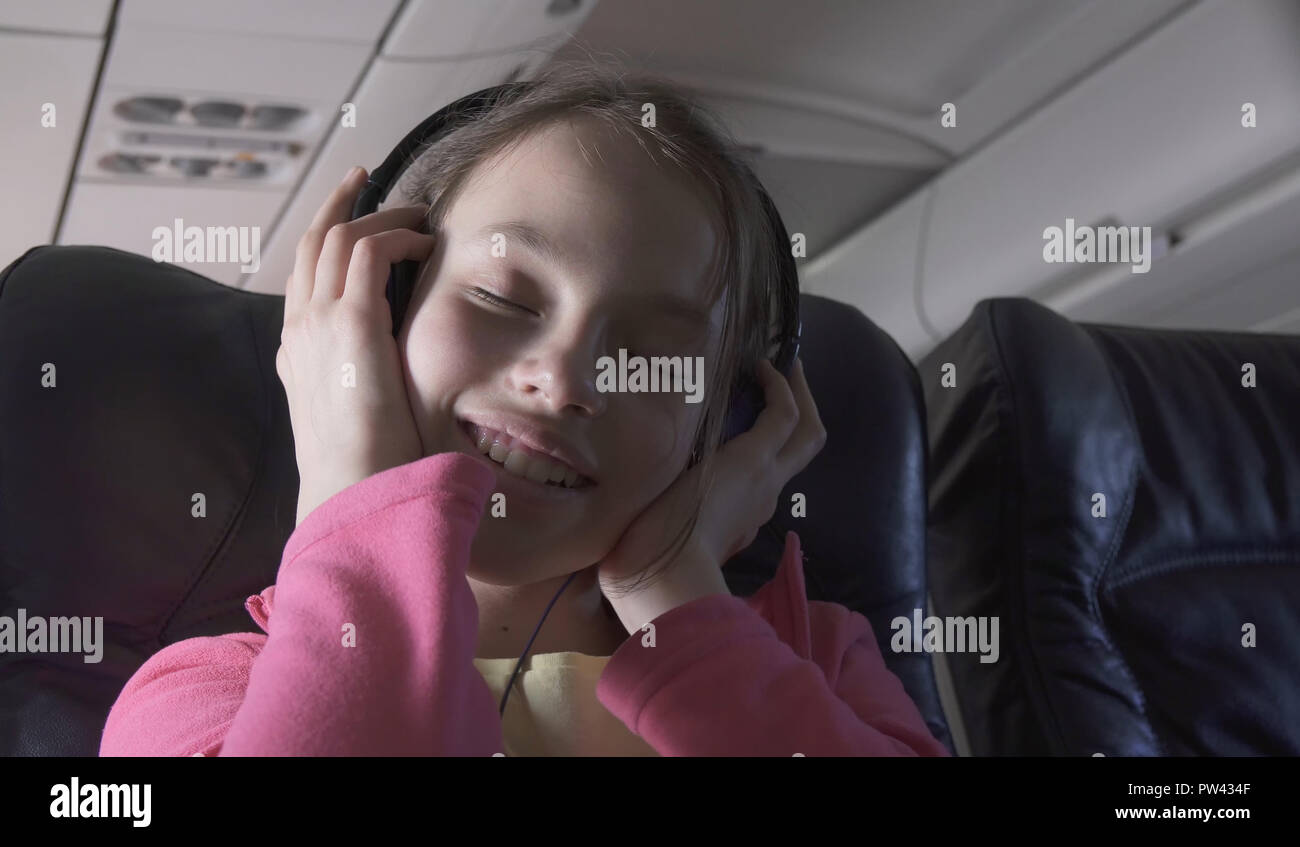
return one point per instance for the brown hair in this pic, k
(685, 135)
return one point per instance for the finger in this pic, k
(372, 257)
(809, 435)
(336, 208)
(779, 416)
(341, 241)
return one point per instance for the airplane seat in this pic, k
(147, 472)
(147, 475)
(863, 534)
(1126, 502)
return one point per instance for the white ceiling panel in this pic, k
(125, 217)
(72, 17)
(904, 55)
(888, 62)
(232, 63)
(37, 159)
(359, 21)
(446, 29)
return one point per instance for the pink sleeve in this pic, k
(720, 681)
(370, 647)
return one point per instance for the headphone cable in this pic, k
(529, 646)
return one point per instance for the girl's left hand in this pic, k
(752, 469)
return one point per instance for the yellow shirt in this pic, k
(553, 710)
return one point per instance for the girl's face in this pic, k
(620, 257)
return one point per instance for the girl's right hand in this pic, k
(338, 360)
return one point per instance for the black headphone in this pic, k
(747, 401)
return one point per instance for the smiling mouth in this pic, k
(522, 461)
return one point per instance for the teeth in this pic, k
(529, 466)
(538, 471)
(517, 462)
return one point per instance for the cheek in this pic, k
(657, 442)
(445, 348)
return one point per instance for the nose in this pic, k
(561, 377)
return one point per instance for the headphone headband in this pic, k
(383, 178)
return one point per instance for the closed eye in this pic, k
(500, 302)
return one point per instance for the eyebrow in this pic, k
(536, 241)
(681, 308)
(519, 232)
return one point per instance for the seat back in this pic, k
(1127, 502)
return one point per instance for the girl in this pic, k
(468, 477)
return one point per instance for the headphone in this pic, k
(747, 400)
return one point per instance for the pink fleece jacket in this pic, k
(772, 674)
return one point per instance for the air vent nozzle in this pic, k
(225, 114)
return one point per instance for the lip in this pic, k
(519, 489)
(536, 438)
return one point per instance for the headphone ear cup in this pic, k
(748, 402)
(743, 412)
(401, 283)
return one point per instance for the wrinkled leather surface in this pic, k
(1123, 634)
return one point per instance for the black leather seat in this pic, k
(1169, 624)
(864, 537)
(155, 484)
(165, 390)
